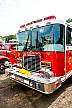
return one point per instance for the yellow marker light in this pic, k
(24, 71)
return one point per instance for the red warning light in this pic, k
(49, 17)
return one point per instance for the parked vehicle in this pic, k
(46, 54)
(7, 55)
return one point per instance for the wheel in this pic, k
(2, 68)
(3, 65)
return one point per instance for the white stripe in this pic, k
(68, 48)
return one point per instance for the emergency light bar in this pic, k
(46, 18)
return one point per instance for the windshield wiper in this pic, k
(26, 45)
(38, 44)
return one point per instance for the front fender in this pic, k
(3, 57)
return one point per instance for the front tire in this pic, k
(2, 68)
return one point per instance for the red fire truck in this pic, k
(7, 54)
(45, 50)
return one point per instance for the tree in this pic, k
(69, 20)
(10, 37)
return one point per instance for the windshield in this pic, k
(23, 39)
(46, 38)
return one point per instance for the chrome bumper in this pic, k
(36, 82)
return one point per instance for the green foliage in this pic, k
(69, 20)
(10, 37)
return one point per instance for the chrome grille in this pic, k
(32, 63)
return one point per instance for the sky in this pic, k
(14, 13)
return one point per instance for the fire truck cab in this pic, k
(45, 46)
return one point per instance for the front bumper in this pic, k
(35, 81)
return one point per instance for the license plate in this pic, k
(26, 82)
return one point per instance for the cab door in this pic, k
(68, 49)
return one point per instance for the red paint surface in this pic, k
(57, 60)
(68, 61)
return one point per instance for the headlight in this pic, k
(49, 73)
(46, 69)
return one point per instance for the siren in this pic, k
(49, 18)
